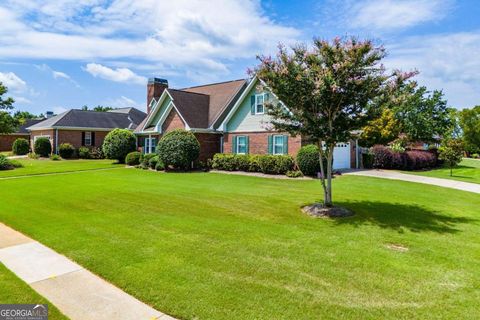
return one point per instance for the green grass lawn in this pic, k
(6, 153)
(34, 167)
(468, 170)
(215, 246)
(15, 291)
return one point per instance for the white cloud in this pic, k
(58, 110)
(387, 15)
(21, 100)
(196, 34)
(445, 61)
(13, 82)
(124, 102)
(59, 74)
(117, 75)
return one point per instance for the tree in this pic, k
(178, 148)
(470, 123)
(102, 108)
(118, 143)
(328, 90)
(22, 116)
(451, 152)
(381, 130)
(7, 122)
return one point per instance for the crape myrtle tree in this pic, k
(329, 90)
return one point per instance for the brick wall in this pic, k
(173, 122)
(258, 142)
(39, 133)
(74, 137)
(6, 140)
(209, 145)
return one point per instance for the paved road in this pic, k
(394, 175)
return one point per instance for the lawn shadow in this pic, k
(400, 217)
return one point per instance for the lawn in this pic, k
(6, 153)
(468, 170)
(215, 246)
(42, 166)
(15, 291)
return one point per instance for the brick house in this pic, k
(227, 117)
(84, 127)
(6, 140)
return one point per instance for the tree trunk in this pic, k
(328, 195)
(322, 171)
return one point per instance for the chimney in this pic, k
(49, 114)
(155, 88)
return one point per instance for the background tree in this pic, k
(22, 116)
(328, 89)
(469, 120)
(7, 122)
(451, 152)
(102, 108)
(381, 130)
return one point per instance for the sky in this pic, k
(63, 54)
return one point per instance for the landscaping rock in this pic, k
(319, 210)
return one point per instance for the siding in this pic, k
(160, 110)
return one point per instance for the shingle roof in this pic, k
(93, 119)
(193, 107)
(30, 122)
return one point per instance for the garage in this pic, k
(341, 156)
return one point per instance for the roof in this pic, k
(193, 107)
(29, 122)
(221, 95)
(128, 119)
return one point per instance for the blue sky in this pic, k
(57, 55)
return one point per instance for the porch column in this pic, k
(149, 143)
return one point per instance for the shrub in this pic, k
(96, 153)
(382, 157)
(55, 157)
(66, 150)
(399, 160)
(20, 147)
(152, 163)
(43, 147)
(15, 163)
(178, 148)
(475, 156)
(159, 166)
(118, 143)
(418, 160)
(225, 162)
(83, 153)
(242, 162)
(5, 164)
(308, 160)
(133, 158)
(145, 159)
(32, 155)
(367, 160)
(294, 174)
(284, 163)
(254, 163)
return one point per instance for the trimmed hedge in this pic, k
(118, 143)
(385, 158)
(20, 147)
(83, 153)
(66, 150)
(43, 147)
(269, 164)
(178, 148)
(133, 158)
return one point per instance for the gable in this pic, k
(172, 121)
(242, 119)
(159, 111)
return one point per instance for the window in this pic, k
(278, 145)
(150, 145)
(88, 138)
(37, 137)
(259, 103)
(241, 144)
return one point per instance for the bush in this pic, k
(20, 147)
(96, 153)
(15, 163)
(418, 160)
(159, 166)
(178, 148)
(270, 164)
(294, 174)
(118, 143)
(145, 159)
(55, 157)
(254, 163)
(66, 150)
(308, 160)
(475, 156)
(133, 158)
(367, 160)
(242, 162)
(283, 164)
(32, 155)
(225, 162)
(382, 157)
(43, 147)
(83, 153)
(152, 163)
(5, 164)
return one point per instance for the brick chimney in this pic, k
(155, 88)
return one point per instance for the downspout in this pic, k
(56, 141)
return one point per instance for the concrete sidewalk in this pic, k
(75, 291)
(395, 175)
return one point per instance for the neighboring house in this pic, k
(227, 117)
(84, 128)
(6, 140)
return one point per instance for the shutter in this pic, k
(252, 104)
(285, 144)
(270, 144)
(246, 144)
(93, 138)
(234, 144)
(83, 138)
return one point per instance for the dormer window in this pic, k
(260, 103)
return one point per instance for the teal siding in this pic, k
(244, 120)
(161, 110)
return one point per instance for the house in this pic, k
(6, 140)
(84, 127)
(226, 117)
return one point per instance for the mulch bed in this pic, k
(320, 211)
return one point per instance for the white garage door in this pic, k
(341, 156)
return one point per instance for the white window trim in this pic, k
(273, 145)
(89, 139)
(263, 103)
(238, 145)
(149, 145)
(42, 136)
